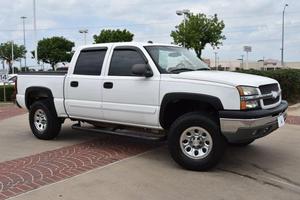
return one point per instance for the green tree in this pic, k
(53, 50)
(19, 51)
(198, 31)
(108, 35)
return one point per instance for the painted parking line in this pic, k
(29, 173)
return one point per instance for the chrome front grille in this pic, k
(270, 101)
(270, 89)
(266, 89)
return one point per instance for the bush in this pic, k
(289, 80)
(9, 89)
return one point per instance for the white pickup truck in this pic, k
(154, 91)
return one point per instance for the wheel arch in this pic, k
(34, 94)
(199, 102)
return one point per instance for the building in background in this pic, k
(267, 64)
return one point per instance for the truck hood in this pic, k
(228, 78)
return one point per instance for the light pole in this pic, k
(12, 57)
(247, 49)
(35, 32)
(216, 56)
(24, 40)
(242, 61)
(282, 41)
(242, 58)
(183, 12)
(84, 32)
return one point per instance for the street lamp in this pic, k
(247, 49)
(282, 42)
(242, 61)
(12, 56)
(84, 32)
(216, 56)
(183, 12)
(35, 32)
(24, 40)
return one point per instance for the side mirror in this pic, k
(141, 70)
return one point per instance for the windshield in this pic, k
(171, 59)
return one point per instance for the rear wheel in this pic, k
(195, 142)
(43, 120)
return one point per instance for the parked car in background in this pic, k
(10, 79)
(62, 66)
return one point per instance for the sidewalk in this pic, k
(294, 110)
(8, 110)
(294, 114)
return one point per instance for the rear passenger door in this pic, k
(128, 98)
(83, 95)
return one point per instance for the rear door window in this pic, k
(90, 62)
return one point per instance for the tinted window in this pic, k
(122, 62)
(90, 62)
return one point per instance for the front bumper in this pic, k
(245, 125)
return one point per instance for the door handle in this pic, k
(108, 85)
(74, 83)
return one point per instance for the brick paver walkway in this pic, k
(10, 110)
(293, 120)
(29, 173)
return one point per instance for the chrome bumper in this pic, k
(245, 129)
(232, 125)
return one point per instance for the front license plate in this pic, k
(281, 121)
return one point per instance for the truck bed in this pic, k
(52, 80)
(56, 73)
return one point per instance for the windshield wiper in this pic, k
(181, 69)
(202, 69)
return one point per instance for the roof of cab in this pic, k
(125, 44)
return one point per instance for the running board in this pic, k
(123, 132)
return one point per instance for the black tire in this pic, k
(241, 144)
(53, 123)
(196, 120)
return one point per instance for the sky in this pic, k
(256, 23)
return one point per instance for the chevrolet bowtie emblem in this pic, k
(274, 94)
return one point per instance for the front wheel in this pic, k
(44, 122)
(195, 142)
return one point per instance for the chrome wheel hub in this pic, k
(40, 120)
(196, 142)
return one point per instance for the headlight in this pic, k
(248, 100)
(247, 91)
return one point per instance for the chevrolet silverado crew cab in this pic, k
(154, 91)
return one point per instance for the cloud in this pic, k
(249, 22)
